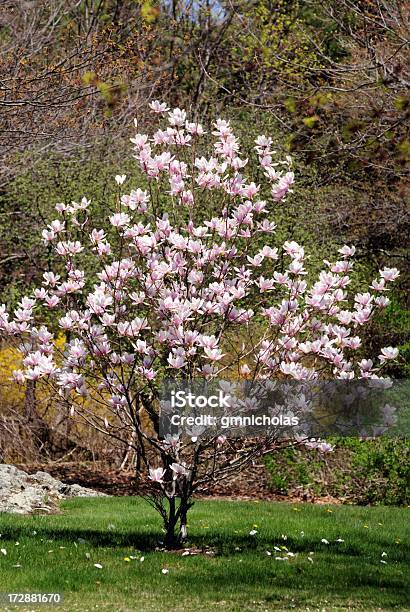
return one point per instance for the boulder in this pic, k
(22, 493)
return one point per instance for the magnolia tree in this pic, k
(185, 282)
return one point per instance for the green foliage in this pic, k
(311, 122)
(286, 471)
(318, 21)
(373, 471)
(350, 128)
(396, 315)
(290, 105)
(402, 103)
(149, 12)
(385, 464)
(392, 326)
(274, 39)
(404, 149)
(111, 92)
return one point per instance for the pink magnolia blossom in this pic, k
(176, 361)
(119, 219)
(179, 470)
(156, 474)
(347, 251)
(389, 274)
(388, 353)
(158, 107)
(69, 248)
(177, 117)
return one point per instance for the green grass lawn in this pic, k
(58, 553)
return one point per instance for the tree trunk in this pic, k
(175, 540)
(183, 532)
(171, 540)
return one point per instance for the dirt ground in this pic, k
(249, 485)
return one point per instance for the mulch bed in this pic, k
(252, 484)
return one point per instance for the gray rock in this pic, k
(22, 493)
(77, 491)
